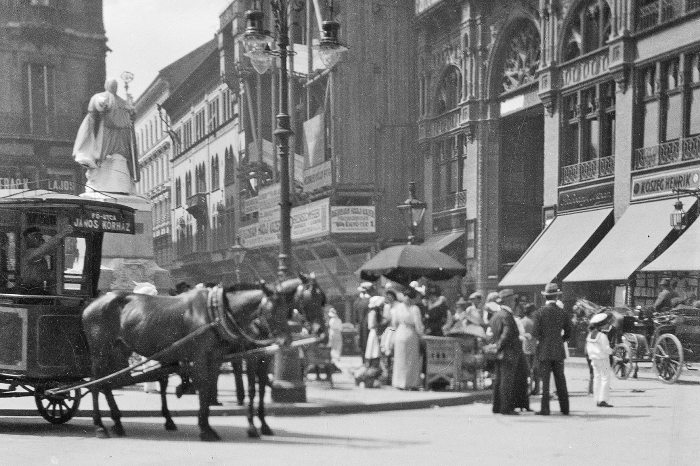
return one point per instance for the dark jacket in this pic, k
(435, 317)
(506, 334)
(548, 323)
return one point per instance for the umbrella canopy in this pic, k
(408, 262)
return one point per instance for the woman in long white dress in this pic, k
(409, 328)
(372, 353)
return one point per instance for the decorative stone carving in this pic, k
(521, 57)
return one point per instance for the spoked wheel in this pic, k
(622, 361)
(668, 358)
(58, 409)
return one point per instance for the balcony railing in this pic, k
(589, 170)
(668, 153)
(656, 12)
(453, 201)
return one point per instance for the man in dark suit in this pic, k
(551, 328)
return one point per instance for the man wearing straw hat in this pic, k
(551, 328)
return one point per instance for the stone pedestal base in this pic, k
(129, 258)
(288, 386)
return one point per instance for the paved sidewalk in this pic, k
(344, 398)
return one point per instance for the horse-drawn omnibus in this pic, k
(50, 251)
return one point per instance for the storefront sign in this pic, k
(318, 177)
(663, 184)
(104, 221)
(14, 183)
(593, 196)
(61, 181)
(353, 219)
(310, 220)
(307, 221)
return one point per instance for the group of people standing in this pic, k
(532, 345)
(527, 342)
(394, 327)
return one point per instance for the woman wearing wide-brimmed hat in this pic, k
(599, 351)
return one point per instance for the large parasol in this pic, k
(409, 262)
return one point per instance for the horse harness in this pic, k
(226, 326)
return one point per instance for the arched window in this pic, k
(588, 30)
(215, 173)
(521, 56)
(449, 92)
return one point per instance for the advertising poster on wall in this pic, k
(353, 219)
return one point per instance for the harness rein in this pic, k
(226, 326)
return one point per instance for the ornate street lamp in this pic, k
(413, 210)
(238, 252)
(288, 383)
(679, 217)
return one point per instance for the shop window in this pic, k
(694, 95)
(670, 103)
(521, 57)
(589, 126)
(588, 30)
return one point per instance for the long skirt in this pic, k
(510, 384)
(372, 349)
(407, 360)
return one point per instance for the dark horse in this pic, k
(309, 300)
(117, 324)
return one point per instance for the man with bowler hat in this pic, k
(551, 328)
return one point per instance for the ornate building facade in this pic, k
(52, 54)
(553, 133)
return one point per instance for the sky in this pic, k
(147, 35)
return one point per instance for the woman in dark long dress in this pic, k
(510, 374)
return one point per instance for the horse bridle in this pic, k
(227, 326)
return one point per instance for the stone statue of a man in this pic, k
(106, 144)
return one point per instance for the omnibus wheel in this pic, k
(622, 361)
(58, 409)
(668, 358)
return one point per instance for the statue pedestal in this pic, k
(129, 258)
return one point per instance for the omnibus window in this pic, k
(74, 263)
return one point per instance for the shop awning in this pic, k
(634, 237)
(442, 241)
(555, 247)
(681, 256)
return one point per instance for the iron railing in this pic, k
(588, 170)
(667, 153)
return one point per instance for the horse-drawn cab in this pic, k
(668, 340)
(50, 252)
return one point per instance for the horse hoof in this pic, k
(253, 432)
(170, 425)
(265, 430)
(209, 436)
(101, 432)
(118, 430)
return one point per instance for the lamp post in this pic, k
(413, 210)
(238, 251)
(678, 217)
(257, 44)
(288, 385)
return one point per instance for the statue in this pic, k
(106, 143)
